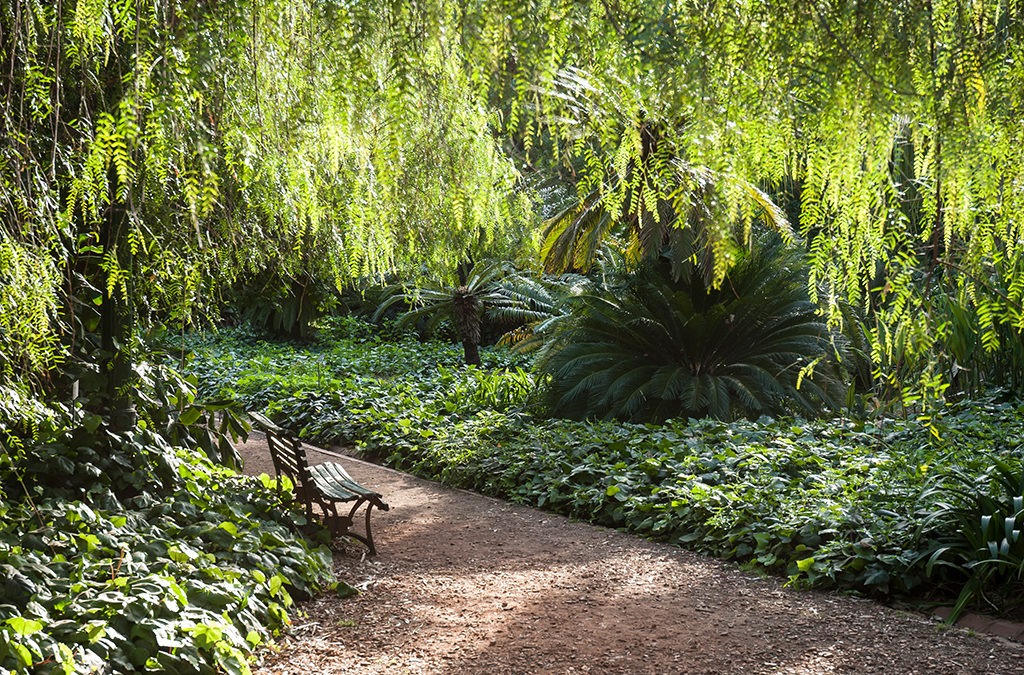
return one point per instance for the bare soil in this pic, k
(467, 584)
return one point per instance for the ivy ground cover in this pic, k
(121, 553)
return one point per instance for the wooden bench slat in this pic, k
(337, 472)
(334, 475)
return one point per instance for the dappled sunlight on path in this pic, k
(468, 584)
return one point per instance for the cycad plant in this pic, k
(491, 289)
(651, 347)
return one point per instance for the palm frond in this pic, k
(570, 239)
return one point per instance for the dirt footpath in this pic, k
(468, 584)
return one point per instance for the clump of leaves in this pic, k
(122, 552)
(976, 523)
(492, 290)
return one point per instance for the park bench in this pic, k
(325, 485)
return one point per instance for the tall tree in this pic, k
(155, 150)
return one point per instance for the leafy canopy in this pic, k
(231, 142)
(889, 131)
(239, 135)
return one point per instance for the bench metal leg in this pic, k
(369, 533)
(367, 539)
(341, 526)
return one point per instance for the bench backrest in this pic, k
(288, 455)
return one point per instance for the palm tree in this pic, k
(649, 347)
(491, 289)
(656, 199)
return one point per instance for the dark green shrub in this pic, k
(281, 303)
(976, 523)
(131, 551)
(651, 348)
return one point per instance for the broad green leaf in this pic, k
(805, 564)
(23, 626)
(95, 630)
(190, 415)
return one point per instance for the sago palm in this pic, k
(489, 289)
(652, 348)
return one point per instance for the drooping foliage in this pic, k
(151, 152)
(156, 150)
(647, 193)
(891, 128)
(159, 148)
(649, 347)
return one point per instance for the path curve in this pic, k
(468, 584)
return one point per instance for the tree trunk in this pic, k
(472, 352)
(466, 315)
(117, 324)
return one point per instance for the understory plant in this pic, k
(648, 347)
(130, 551)
(825, 503)
(485, 290)
(975, 524)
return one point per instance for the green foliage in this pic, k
(319, 383)
(826, 503)
(285, 307)
(124, 551)
(892, 129)
(978, 519)
(650, 348)
(974, 352)
(336, 328)
(491, 290)
(27, 341)
(131, 168)
(121, 551)
(501, 390)
(237, 364)
(638, 183)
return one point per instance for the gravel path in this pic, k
(468, 584)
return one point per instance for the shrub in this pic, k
(975, 523)
(650, 348)
(120, 552)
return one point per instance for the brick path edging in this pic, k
(980, 623)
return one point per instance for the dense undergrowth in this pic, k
(886, 506)
(122, 552)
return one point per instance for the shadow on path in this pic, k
(468, 584)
